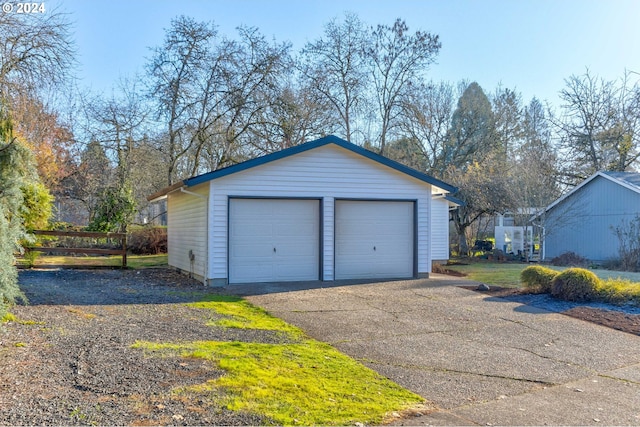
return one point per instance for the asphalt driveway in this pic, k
(481, 360)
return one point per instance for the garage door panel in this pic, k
(254, 273)
(252, 251)
(361, 226)
(250, 229)
(258, 226)
(350, 244)
(392, 228)
(295, 229)
(296, 251)
(287, 271)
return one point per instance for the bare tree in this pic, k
(211, 91)
(119, 123)
(599, 125)
(35, 51)
(255, 69)
(335, 67)
(426, 118)
(398, 60)
(296, 115)
(535, 161)
(174, 69)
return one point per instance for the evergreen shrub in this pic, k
(576, 284)
(537, 279)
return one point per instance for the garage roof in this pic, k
(331, 139)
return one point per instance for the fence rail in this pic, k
(122, 251)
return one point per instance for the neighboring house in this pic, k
(324, 210)
(511, 236)
(582, 221)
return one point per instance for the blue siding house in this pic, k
(582, 221)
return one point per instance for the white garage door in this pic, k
(374, 239)
(273, 240)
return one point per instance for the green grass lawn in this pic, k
(508, 274)
(493, 273)
(133, 261)
(298, 382)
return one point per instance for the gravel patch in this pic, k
(69, 360)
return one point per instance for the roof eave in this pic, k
(162, 194)
(584, 183)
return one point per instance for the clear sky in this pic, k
(528, 45)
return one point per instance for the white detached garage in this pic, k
(324, 210)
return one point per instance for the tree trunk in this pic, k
(462, 242)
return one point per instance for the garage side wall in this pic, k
(440, 229)
(186, 232)
(327, 173)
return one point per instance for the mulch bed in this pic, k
(614, 319)
(70, 361)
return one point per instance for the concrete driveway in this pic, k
(480, 360)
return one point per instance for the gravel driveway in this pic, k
(69, 361)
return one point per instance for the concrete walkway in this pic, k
(479, 360)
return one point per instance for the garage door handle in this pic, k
(274, 249)
(374, 248)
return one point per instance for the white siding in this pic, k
(440, 229)
(328, 212)
(327, 172)
(187, 230)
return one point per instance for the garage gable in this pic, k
(326, 169)
(328, 140)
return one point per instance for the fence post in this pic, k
(124, 251)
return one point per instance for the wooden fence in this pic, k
(122, 251)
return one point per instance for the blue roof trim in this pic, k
(454, 200)
(331, 139)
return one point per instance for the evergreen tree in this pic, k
(475, 162)
(472, 135)
(16, 168)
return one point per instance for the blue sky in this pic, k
(529, 45)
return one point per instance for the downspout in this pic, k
(206, 231)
